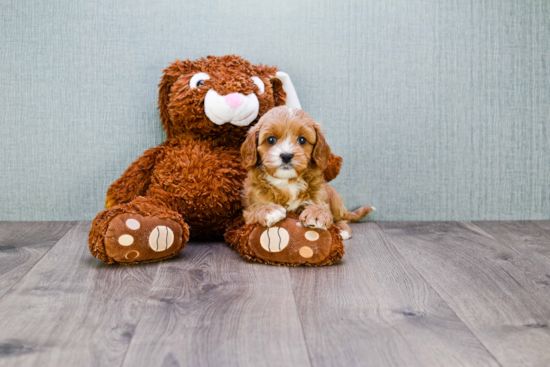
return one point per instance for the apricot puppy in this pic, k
(285, 154)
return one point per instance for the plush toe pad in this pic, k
(135, 238)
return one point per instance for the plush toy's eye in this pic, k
(198, 79)
(301, 140)
(271, 140)
(258, 83)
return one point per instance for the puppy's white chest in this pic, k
(293, 189)
(293, 203)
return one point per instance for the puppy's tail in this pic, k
(358, 214)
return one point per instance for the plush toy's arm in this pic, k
(333, 167)
(134, 181)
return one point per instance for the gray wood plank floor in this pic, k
(406, 294)
(22, 244)
(490, 286)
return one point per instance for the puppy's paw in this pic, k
(316, 217)
(346, 235)
(271, 214)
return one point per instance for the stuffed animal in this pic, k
(190, 185)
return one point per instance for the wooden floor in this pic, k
(406, 294)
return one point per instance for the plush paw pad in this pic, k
(125, 240)
(161, 238)
(306, 252)
(136, 238)
(288, 242)
(274, 239)
(133, 224)
(312, 235)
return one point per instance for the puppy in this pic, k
(285, 154)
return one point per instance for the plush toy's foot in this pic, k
(137, 232)
(287, 243)
(135, 238)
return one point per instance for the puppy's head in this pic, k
(286, 142)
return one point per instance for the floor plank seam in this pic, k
(40, 259)
(388, 237)
(143, 304)
(489, 234)
(299, 319)
(519, 253)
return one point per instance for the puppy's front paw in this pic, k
(271, 214)
(316, 217)
(345, 235)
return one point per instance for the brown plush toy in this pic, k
(190, 186)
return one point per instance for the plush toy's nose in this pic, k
(234, 100)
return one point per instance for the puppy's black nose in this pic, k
(287, 157)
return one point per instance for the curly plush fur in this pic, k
(195, 177)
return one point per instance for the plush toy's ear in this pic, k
(164, 92)
(284, 92)
(249, 149)
(321, 150)
(170, 75)
(279, 94)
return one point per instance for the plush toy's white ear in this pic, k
(291, 96)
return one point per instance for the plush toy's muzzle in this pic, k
(234, 108)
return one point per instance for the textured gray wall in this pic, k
(439, 108)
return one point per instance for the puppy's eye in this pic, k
(271, 140)
(302, 140)
(198, 79)
(258, 83)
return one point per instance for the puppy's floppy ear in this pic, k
(321, 150)
(169, 77)
(249, 149)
